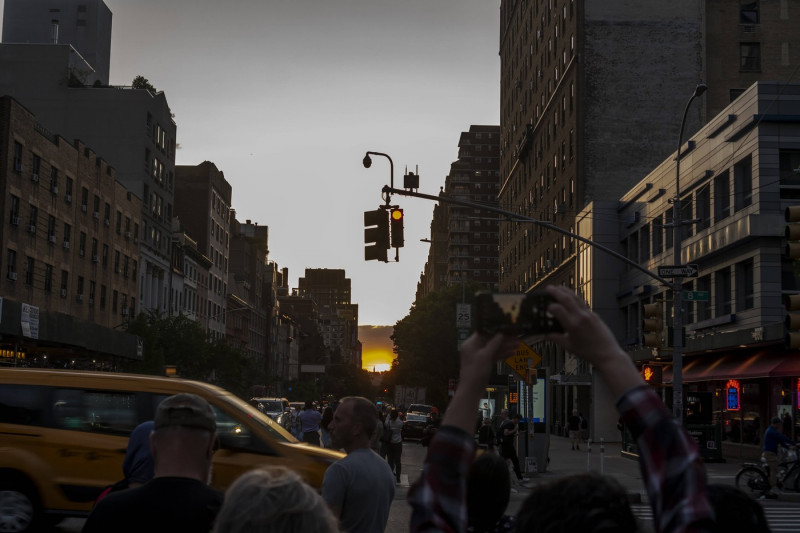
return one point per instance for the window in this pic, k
(51, 228)
(112, 413)
(644, 242)
(748, 12)
(116, 261)
(48, 278)
(723, 292)
(54, 180)
(114, 300)
(11, 264)
(67, 235)
(722, 196)
(22, 404)
(750, 57)
(17, 157)
(30, 265)
(37, 166)
(107, 215)
(64, 282)
(14, 210)
(94, 249)
(118, 225)
(745, 287)
(68, 191)
(79, 291)
(687, 229)
(84, 199)
(743, 183)
(703, 206)
(92, 287)
(105, 255)
(103, 296)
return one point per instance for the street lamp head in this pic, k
(700, 89)
(367, 161)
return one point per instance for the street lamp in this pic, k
(677, 283)
(367, 161)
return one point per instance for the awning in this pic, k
(749, 365)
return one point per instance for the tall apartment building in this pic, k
(338, 318)
(463, 243)
(132, 128)
(69, 249)
(592, 95)
(203, 205)
(85, 24)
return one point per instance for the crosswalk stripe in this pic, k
(780, 519)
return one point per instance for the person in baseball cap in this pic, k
(178, 497)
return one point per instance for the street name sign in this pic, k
(697, 296)
(678, 271)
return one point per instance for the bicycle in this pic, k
(754, 477)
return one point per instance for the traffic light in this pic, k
(792, 216)
(652, 374)
(376, 235)
(792, 320)
(397, 228)
(652, 324)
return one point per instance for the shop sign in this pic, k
(732, 391)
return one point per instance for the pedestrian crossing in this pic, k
(783, 518)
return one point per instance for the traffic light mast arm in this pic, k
(522, 218)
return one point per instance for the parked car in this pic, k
(421, 408)
(63, 437)
(414, 426)
(277, 409)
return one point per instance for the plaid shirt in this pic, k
(439, 497)
(673, 472)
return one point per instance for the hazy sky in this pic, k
(286, 96)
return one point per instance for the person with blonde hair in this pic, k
(275, 499)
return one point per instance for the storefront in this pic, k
(747, 388)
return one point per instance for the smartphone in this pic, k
(512, 313)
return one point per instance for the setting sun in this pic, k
(376, 352)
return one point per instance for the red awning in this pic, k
(750, 365)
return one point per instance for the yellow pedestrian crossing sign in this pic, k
(524, 357)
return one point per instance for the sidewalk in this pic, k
(565, 462)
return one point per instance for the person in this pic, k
(574, 427)
(773, 439)
(273, 500)
(671, 466)
(509, 429)
(395, 445)
(178, 498)
(488, 493)
(434, 423)
(735, 510)
(137, 467)
(327, 416)
(438, 498)
(375, 441)
(486, 435)
(309, 419)
(358, 488)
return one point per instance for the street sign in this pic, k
(697, 296)
(463, 315)
(523, 358)
(679, 271)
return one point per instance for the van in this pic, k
(277, 409)
(63, 436)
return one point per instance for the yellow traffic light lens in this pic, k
(397, 214)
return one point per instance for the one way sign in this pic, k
(685, 271)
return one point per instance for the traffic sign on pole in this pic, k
(524, 357)
(679, 271)
(697, 296)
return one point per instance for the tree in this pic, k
(140, 82)
(426, 344)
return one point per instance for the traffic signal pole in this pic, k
(522, 218)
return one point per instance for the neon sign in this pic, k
(797, 403)
(732, 389)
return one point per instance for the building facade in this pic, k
(67, 241)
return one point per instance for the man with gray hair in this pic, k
(359, 488)
(178, 498)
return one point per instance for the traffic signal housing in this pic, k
(376, 235)
(792, 231)
(652, 324)
(792, 320)
(396, 218)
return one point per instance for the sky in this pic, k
(286, 96)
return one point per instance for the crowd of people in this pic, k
(457, 490)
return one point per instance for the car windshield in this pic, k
(272, 406)
(413, 417)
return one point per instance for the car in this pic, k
(413, 426)
(421, 408)
(63, 436)
(277, 409)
